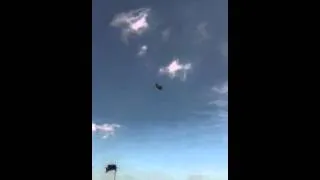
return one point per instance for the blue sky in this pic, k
(179, 133)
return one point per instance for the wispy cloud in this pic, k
(175, 69)
(105, 129)
(134, 22)
(143, 50)
(219, 103)
(223, 114)
(222, 98)
(222, 89)
(217, 114)
(202, 31)
(224, 49)
(165, 34)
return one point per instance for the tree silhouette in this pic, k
(112, 167)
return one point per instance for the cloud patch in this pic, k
(202, 31)
(176, 69)
(219, 111)
(222, 89)
(134, 22)
(143, 50)
(105, 129)
(224, 49)
(165, 34)
(219, 103)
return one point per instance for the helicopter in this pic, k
(159, 87)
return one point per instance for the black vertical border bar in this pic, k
(246, 67)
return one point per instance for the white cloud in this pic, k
(143, 50)
(202, 30)
(223, 89)
(175, 69)
(105, 129)
(94, 129)
(134, 22)
(166, 34)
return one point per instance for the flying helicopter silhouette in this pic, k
(159, 87)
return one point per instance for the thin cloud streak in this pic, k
(219, 103)
(222, 89)
(224, 49)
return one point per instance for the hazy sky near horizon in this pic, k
(179, 133)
